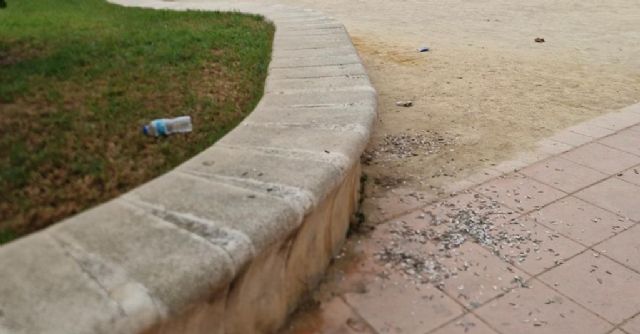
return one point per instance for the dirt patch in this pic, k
(407, 145)
(18, 52)
(388, 181)
(494, 104)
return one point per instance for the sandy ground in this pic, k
(486, 87)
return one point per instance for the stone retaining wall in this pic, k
(230, 240)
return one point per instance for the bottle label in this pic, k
(161, 127)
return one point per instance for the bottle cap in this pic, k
(145, 130)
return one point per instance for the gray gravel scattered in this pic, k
(406, 145)
(426, 254)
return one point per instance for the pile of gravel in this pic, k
(423, 253)
(402, 146)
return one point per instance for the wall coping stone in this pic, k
(146, 256)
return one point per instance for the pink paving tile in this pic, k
(521, 160)
(334, 316)
(510, 166)
(393, 203)
(479, 275)
(599, 284)
(590, 129)
(519, 192)
(468, 324)
(552, 147)
(626, 140)
(355, 272)
(631, 175)
(398, 250)
(470, 201)
(634, 108)
(484, 175)
(458, 186)
(614, 195)
(542, 310)
(602, 158)
(534, 247)
(616, 120)
(469, 272)
(633, 325)
(360, 265)
(580, 221)
(624, 248)
(617, 331)
(423, 236)
(416, 237)
(563, 174)
(404, 308)
(571, 138)
(518, 240)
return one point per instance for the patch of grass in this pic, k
(6, 236)
(78, 79)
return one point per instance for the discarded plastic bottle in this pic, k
(168, 126)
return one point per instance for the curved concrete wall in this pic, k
(230, 240)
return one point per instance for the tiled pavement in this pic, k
(580, 272)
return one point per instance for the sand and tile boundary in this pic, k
(560, 142)
(230, 240)
(597, 129)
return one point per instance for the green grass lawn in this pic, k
(78, 79)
